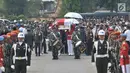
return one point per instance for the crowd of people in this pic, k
(99, 37)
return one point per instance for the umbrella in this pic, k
(73, 15)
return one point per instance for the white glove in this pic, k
(93, 63)
(109, 64)
(12, 66)
(27, 67)
(2, 68)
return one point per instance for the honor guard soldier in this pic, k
(7, 53)
(76, 43)
(21, 55)
(100, 51)
(2, 69)
(124, 57)
(55, 40)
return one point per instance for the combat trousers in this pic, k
(20, 66)
(77, 53)
(55, 52)
(101, 65)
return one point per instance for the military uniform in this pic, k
(21, 55)
(124, 57)
(100, 51)
(55, 38)
(89, 42)
(38, 40)
(1, 58)
(75, 39)
(7, 58)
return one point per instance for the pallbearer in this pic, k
(100, 50)
(21, 54)
(124, 57)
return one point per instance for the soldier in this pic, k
(44, 38)
(124, 57)
(56, 42)
(7, 53)
(2, 69)
(89, 41)
(69, 41)
(76, 42)
(38, 40)
(100, 50)
(29, 39)
(21, 55)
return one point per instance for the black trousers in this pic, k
(37, 49)
(77, 53)
(89, 47)
(101, 65)
(55, 52)
(129, 46)
(44, 45)
(20, 66)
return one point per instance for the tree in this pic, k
(15, 7)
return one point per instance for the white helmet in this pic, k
(101, 32)
(15, 21)
(21, 35)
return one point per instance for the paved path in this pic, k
(66, 64)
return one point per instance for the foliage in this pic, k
(13, 17)
(15, 7)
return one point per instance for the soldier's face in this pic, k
(101, 37)
(20, 39)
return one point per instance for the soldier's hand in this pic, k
(12, 66)
(93, 63)
(109, 64)
(2, 68)
(27, 67)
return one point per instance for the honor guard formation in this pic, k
(105, 39)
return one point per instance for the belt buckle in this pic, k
(20, 57)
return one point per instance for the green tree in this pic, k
(15, 7)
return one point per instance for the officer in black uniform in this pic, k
(101, 48)
(20, 55)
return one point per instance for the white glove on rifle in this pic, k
(12, 66)
(2, 68)
(109, 64)
(93, 63)
(27, 67)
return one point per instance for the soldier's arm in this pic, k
(28, 55)
(93, 52)
(12, 54)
